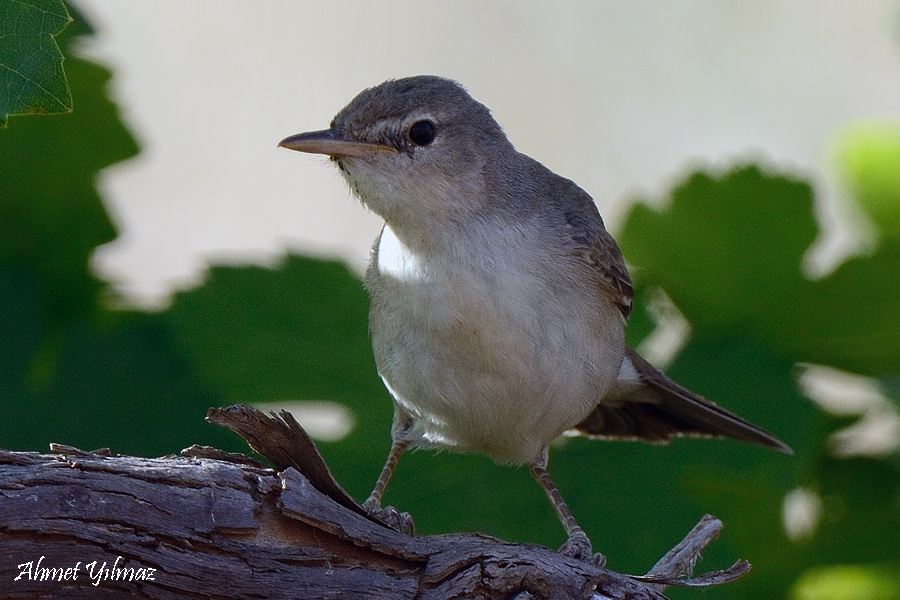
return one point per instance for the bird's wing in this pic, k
(646, 405)
(643, 403)
(597, 248)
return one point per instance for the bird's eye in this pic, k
(422, 133)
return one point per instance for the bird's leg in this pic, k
(397, 450)
(577, 545)
(390, 515)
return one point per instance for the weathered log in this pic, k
(77, 524)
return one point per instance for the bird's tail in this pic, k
(646, 405)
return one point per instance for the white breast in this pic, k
(483, 349)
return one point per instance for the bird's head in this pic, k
(414, 150)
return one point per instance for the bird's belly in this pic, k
(499, 366)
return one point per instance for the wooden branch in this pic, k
(77, 524)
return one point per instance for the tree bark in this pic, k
(208, 523)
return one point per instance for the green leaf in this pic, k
(850, 319)
(298, 331)
(115, 381)
(32, 79)
(727, 249)
(295, 332)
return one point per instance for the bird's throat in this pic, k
(395, 259)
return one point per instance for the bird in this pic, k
(498, 300)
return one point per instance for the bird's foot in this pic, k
(578, 546)
(390, 516)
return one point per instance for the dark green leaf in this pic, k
(850, 319)
(116, 382)
(296, 332)
(728, 250)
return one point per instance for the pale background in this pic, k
(622, 97)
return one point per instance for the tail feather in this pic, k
(646, 405)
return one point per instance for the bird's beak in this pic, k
(332, 143)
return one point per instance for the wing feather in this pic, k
(597, 248)
(646, 405)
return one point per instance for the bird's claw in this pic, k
(390, 516)
(578, 546)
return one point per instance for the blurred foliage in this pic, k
(848, 582)
(728, 251)
(72, 370)
(867, 154)
(726, 248)
(32, 79)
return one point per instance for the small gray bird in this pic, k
(498, 298)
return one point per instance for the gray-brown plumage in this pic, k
(498, 298)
